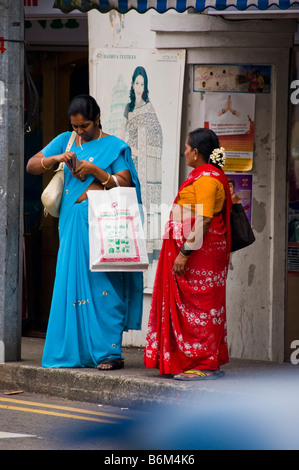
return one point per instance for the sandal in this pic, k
(194, 375)
(111, 364)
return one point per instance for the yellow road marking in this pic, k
(52, 413)
(59, 407)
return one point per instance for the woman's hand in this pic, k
(179, 264)
(84, 169)
(64, 157)
(39, 163)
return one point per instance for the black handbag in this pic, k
(242, 234)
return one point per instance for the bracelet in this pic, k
(116, 180)
(46, 168)
(185, 250)
(105, 182)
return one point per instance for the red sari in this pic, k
(187, 322)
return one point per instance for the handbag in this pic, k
(116, 237)
(52, 194)
(241, 231)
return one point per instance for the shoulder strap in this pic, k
(68, 147)
(71, 141)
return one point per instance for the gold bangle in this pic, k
(44, 165)
(185, 256)
(105, 182)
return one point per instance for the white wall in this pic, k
(257, 275)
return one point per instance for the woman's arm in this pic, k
(86, 168)
(206, 191)
(193, 242)
(39, 163)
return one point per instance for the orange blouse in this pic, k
(205, 195)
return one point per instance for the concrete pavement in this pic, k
(254, 406)
(134, 386)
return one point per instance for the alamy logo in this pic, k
(295, 354)
(295, 94)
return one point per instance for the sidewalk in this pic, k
(134, 386)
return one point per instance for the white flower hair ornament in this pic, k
(218, 157)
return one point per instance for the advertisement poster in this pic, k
(231, 117)
(241, 191)
(233, 78)
(141, 106)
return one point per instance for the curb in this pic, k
(95, 387)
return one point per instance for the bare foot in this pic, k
(111, 364)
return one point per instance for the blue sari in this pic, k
(89, 310)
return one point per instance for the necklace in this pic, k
(93, 139)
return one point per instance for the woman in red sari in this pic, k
(187, 324)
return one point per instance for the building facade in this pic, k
(262, 305)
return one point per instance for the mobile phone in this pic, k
(74, 163)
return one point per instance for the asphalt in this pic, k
(134, 386)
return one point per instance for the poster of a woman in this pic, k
(145, 139)
(139, 112)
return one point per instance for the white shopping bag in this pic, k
(116, 236)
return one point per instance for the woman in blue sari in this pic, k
(89, 310)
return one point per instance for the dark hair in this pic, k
(85, 105)
(205, 141)
(138, 71)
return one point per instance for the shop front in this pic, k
(57, 64)
(292, 323)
